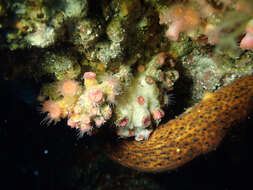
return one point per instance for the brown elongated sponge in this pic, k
(197, 131)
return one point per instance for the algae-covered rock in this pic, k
(60, 66)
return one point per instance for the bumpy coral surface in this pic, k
(135, 106)
(142, 104)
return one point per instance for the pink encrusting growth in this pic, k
(158, 114)
(84, 106)
(175, 28)
(179, 19)
(89, 75)
(54, 112)
(94, 105)
(94, 111)
(197, 18)
(247, 41)
(140, 100)
(95, 96)
(127, 99)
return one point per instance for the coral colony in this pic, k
(116, 60)
(135, 106)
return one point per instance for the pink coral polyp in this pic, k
(247, 42)
(157, 114)
(89, 75)
(69, 88)
(95, 96)
(141, 100)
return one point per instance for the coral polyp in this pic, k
(68, 88)
(133, 103)
(53, 110)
